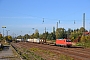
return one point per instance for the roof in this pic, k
(87, 33)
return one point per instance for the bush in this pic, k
(84, 44)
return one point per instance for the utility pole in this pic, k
(45, 30)
(53, 29)
(13, 35)
(21, 36)
(57, 25)
(7, 33)
(84, 20)
(54, 33)
(84, 25)
(29, 35)
(59, 22)
(74, 21)
(3, 30)
(26, 38)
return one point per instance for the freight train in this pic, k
(33, 40)
(59, 42)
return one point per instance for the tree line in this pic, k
(75, 35)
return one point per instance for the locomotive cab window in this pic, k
(68, 40)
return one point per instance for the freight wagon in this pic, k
(1, 46)
(36, 40)
(64, 42)
(18, 40)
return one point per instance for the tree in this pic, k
(68, 33)
(9, 37)
(32, 36)
(26, 36)
(60, 33)
(49, 37)
(19, 37)
(44, 35)
(83, 38)
(82, 30)
(89, 37)
(0, 36)
(36, 34)
(74, 36)
(54, 36)
(40, 36)
(69, 30)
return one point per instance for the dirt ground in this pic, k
(47, 52)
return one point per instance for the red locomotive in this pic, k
(64, 42)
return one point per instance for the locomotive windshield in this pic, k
(68, 40)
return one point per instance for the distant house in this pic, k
(0, 35)
(87, 33)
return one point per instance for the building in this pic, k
(87, 33)
(0, 35)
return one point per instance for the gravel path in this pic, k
(8, 54)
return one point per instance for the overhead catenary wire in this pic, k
(48, 19)
(30, 16)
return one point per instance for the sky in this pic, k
(20, 16)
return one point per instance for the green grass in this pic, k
(0, 49)
(84, 44)
(47, 52)
(50, 41)
(64, 57)
(31, 54)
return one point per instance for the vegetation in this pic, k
(28, 55)
(40, 54)
(76, 35)
(1, 37)
(85, 44)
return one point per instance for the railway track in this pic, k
(76, 53)
(69, 51)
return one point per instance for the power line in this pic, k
(29, 16)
